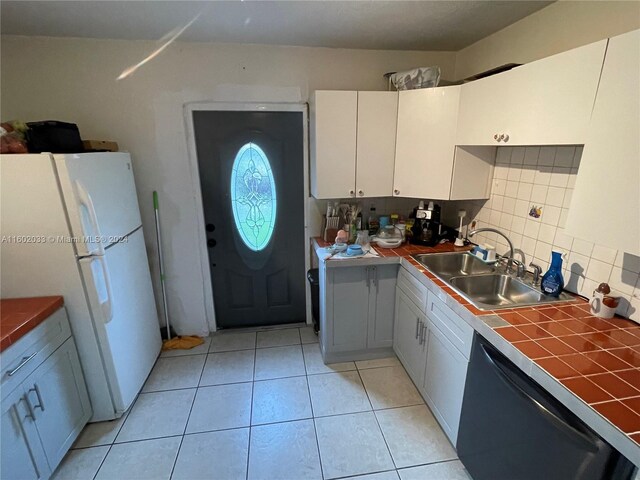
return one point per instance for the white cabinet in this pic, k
(428, 164)
(22, 456)
(425, 143)
(376, 143)
(408, 337)
(352, 140)
(547, 102)
(45, 403)
(605, 205)
(60, 401)
(434, 349)
(484, 110)
(356, 311)
(444, 380)
(333, 143)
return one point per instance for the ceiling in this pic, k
(394, 25)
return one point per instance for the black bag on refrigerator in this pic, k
(53, 136)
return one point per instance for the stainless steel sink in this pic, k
(490, 292)
(482, 284)
(447, 265)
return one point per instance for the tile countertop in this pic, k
(590, 365)
(18, 316)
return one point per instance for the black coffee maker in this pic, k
(426, 228)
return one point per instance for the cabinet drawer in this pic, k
(413, 289)
(459, 332)
(32, 349)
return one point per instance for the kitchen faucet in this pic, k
(510, 259)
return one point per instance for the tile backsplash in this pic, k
(530, 198)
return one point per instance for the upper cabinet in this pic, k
(428, 163)
(333, 143)
(376, 143)
(353, 136)
(605, 205)
(425, 144)
(547, 102)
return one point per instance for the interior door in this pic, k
(252, 182)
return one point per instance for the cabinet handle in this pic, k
(417, 327)
(374, 276)
(396, 192)
(496, 137)
(505, 137)
(40, 402)
(22, 363)
(423, 328)
(368, 277)
(352, 193)
(360, 192)
(31, 413)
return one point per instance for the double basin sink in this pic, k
(483, 284)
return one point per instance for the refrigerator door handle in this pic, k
(86, 202)
(106, 305)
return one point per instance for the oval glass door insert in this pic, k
(253, 196)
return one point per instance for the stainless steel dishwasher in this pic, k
(512, 429)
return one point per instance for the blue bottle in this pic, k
(552, 281)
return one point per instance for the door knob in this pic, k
(352, 193)
(496, 137)
(360, 192)
(211, 243)
(396, 192)
(505, 137)
(210, 227)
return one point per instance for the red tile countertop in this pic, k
(18, 316)
(597, 360)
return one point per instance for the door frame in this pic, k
(194, 170)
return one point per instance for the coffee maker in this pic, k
(426, 228)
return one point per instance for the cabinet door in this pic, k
(605, 206)
(483, 110)
(348, 308)
(376, 143)
(333, 144)
(22, 454)
(409, 322)
(444, 381)
(550, 100)
(425, 144)
(58, 394)
(382, 302)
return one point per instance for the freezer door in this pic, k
(118, 286)
(100, 197)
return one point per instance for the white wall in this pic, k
(544, 177)
(561, 26)
(74, 80)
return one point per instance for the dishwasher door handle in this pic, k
(561, 424)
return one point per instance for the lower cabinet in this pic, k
(22, 456)
(435, 358)
(408, 337)
(444, 380)
(356, 311)
(60, 401)
(43, 416)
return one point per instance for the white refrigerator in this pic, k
(71, 226)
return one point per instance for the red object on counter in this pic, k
(18, 316)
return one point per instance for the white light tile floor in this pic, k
(262, 405)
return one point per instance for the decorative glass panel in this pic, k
(253, 196)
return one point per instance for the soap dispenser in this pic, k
(552, 281)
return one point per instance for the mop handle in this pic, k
(161, 262)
